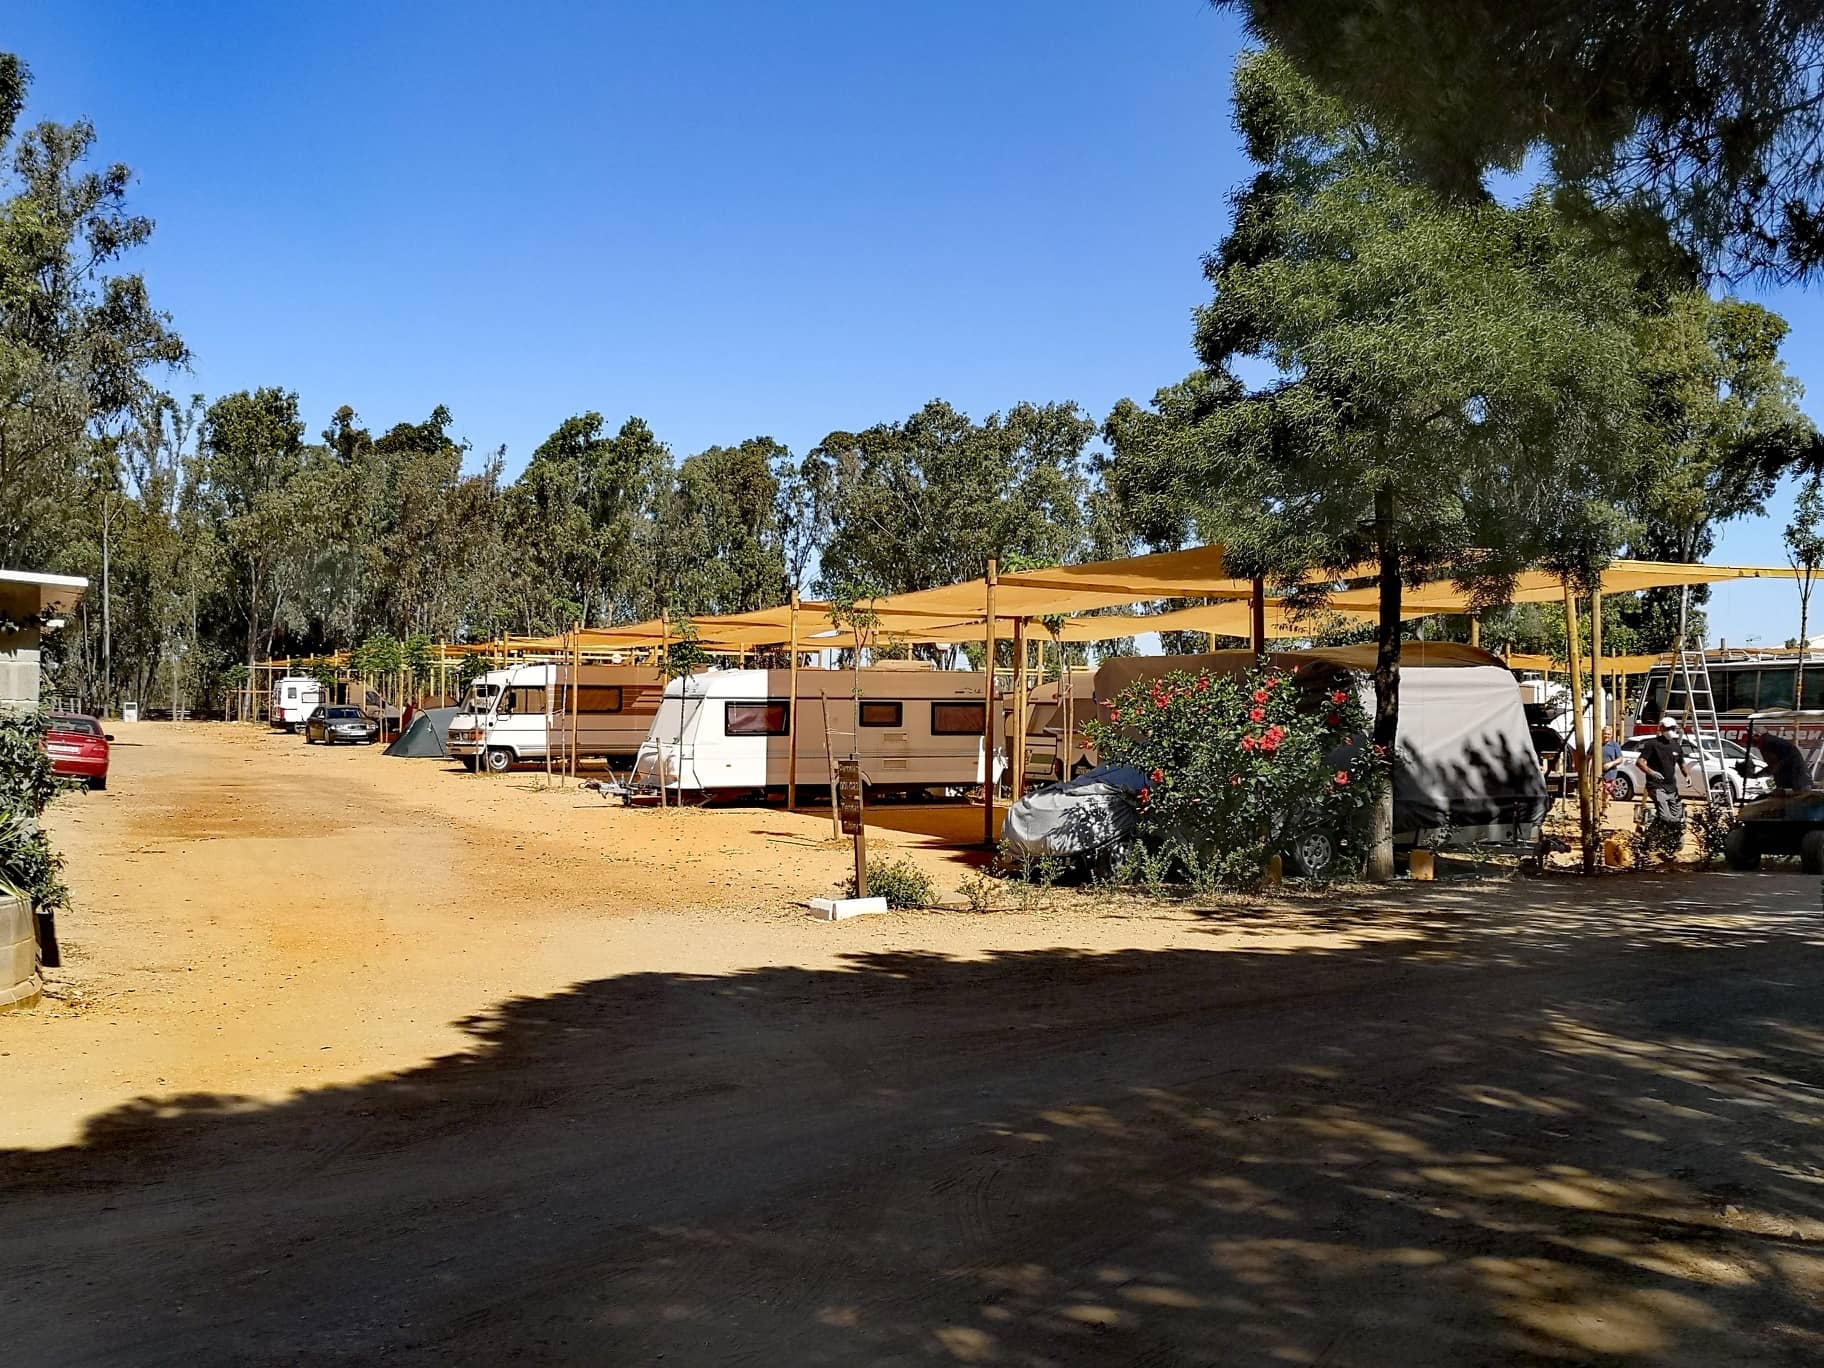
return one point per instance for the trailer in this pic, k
(523, 714)
(727, 733)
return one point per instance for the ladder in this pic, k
(1689, 695)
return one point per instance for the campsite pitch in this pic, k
(368, 1060)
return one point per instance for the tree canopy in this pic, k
(1706, 117)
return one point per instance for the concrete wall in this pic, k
(19, 982)
(19, 668)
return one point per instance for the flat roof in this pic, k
(50, 593)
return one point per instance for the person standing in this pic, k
(1662, 760)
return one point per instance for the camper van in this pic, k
(1049, 754)
(294, 698)
(729, 732)
(522, 714)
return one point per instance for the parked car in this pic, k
(341, 722)
(78, 748)
(1720, 758)
(1548, 741)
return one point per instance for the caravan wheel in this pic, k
(500, 759)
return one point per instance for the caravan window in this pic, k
(770, 718)
(883, 714)
(599, 698)
(957, 719)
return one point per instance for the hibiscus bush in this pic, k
(1238, 765)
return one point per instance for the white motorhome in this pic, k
(522, 714)
(294, 699)
(729, 732)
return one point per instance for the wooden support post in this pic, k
(829, 764)
(1257, 606)
(576, 682)
(791, 714)
(1598, 711)
(988, 625)
(658, 742)
(1475, 629)
(1016, 742)
(1585, 799)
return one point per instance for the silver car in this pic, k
(1720, 757)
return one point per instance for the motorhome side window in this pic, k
(770, 718)
(524, 699)
(956, 719)
(882, 714)
(599, 698)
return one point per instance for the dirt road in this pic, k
(592, 1114)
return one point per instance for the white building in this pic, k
(31, 603)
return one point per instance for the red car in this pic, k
(78, 748)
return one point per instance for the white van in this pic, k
(294, 698)
(522, 714)
(729, 732)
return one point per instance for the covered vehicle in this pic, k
(78, 748)
(1788, 820)
(1465, 771)
(426, 736)
(1090, 818)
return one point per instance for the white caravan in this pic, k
(523, 714)
(294, 699)
(729, 732)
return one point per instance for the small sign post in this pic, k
(848, 804)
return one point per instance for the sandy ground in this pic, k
(359, 1060)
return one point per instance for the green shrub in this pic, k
(900, 882)
(28, 865)
(1235, 765)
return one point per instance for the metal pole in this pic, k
(988, 708)
(791, 715)
(1257, 613)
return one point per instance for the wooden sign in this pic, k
(848, 795)
(848, 806)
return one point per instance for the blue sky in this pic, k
(729, 219)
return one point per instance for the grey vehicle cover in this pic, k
(425, 737)
(1075, 818)
(1465, 759)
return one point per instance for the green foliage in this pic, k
(28, 866)
(900, 882)
(1236, 765)
(683, 656)
(1706, 117)
(1711, 824)
(929, 501)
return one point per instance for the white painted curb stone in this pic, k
(840, 909)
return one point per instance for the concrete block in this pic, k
(840, 909)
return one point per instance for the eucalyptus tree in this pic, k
(930, 500)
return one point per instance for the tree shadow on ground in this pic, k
(1591, 1131)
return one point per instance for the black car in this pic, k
(341, 722)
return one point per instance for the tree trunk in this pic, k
(107, 611)
(1386, 685)
(1798, 672)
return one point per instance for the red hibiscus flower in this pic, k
(1157, 776)
(1342, 777)
(1257, 714)
(1248, 743)
(1334, 720)
(1260, 695)
(1114, 714)
(1146, 795)
(1269, 744)
(1339, 697)
(1203, 683)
